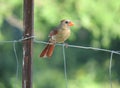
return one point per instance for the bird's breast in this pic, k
(61, 36)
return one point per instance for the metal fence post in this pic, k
(27, 44)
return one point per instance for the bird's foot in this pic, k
(66, 45)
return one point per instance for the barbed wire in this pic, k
(64, 58)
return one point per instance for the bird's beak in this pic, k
(70, 23)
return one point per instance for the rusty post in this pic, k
(27, 44)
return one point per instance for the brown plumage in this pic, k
(58, 35)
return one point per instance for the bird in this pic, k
(57, 35)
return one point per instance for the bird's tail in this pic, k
(47, 51)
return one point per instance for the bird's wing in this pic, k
(53, 32)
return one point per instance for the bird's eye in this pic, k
(66, 22)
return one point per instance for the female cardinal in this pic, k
(58, 35)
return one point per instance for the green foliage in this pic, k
(96, 24)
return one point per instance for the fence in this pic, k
(112, 52)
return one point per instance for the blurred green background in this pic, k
(97, 24)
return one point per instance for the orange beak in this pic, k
(71, 24)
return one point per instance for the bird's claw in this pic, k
(66, 45)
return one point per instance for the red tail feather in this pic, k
(48, 50)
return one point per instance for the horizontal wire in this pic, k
(19, 40)
(73, 46)
(82, 47)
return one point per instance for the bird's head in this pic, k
(66, 23)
